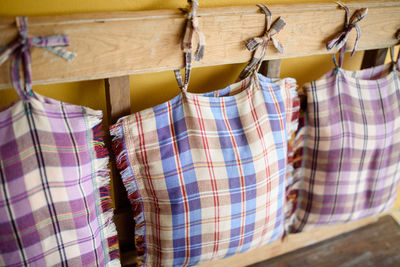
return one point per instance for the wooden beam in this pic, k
(123, 43)
(292, 242)
(123, 219)
(377, 244)
(271, 68)
(118, 98)
(373, 57)
(118, 105)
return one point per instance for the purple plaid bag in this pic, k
(349, 146)
(55, 205)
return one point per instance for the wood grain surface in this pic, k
(291, 243)
(377, 244)
(121, 43)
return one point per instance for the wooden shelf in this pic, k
(122, 43)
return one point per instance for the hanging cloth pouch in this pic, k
(205, 173)
(348, 152)
(55, 205)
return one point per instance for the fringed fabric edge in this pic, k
(102, 177)
(293, 123)
(295, 157)
(128, 179)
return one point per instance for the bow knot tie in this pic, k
(54, 44)
(265, 39)
(23, 40)
(260, 44)
(351, 22)
(19, 52)
(269, 35)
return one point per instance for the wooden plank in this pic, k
(129, 259)
(118, 105)
(123, 219)
(271, 68)
(117, 97)
(122, 43)
(373, 57)
(377, 244)
(291, 243)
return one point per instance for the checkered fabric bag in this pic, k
(205, 174)
(348, 152)
(55, 205)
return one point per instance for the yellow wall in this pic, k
(150, 89)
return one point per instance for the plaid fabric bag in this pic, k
(205, 173)
(55, 205)
(348, 150)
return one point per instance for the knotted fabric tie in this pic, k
(19, 50)
(192, 26)
(351, 22)
(260, 44)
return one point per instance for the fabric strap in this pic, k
(192, 26)
(260, 44)
(19, 50)
(341, 38)
(395, 61)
